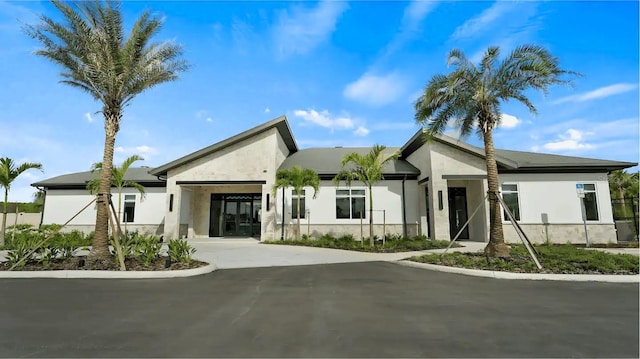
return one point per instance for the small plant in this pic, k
(19, 255)
(394, 237)
(148, 249)
(48, 255)
(180, 251)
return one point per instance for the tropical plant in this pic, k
(96, 56)
(180, 251)
(9, 171)
(623, 184)
(368, 169)
(470, 97)
(117, 180)
(298, 178)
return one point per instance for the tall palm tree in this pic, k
(298, 178)
(8, 173)
(368, 169)
(90, 46)
(471, 96)
(118, 180)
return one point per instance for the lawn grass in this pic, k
(349, 243)
(559, 259)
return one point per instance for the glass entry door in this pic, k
(458, 212)
(235, 215)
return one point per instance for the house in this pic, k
(225, 190)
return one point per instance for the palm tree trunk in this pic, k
(100, 244)
(4, 216)
(298, 211)
(496, 246)
(370, 217)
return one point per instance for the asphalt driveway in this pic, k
(373, 309)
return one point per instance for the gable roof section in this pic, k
(79, 180)
(280, 123)
(520, 161)
(327, 162)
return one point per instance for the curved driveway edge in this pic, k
(611, 278)
(103, 274)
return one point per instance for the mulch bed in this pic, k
(75, 263)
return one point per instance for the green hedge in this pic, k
(393, 243)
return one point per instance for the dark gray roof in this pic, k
(327, 161)
(79, 180)
(521, 161)
(280, 123)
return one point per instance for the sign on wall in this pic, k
(580, 190)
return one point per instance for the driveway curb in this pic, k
(610, 278)
(102, 274)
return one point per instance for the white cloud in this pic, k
(478, 23)
(598, 93)
(509, 121)
(136, 150)
(572, 140)
(87, 116)
(325, 119)
(376, 90)
(267, 110)
(209, 119)
(361, 131)
(413, 16)
(302, 29)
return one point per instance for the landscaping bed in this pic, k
(393, 244)
(76, 263)
(563, 259)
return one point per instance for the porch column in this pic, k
(172, 213)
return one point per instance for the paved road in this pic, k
(373, 309)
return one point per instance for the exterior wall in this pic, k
(61, 205)
(555, 195)
(387, 195)
(254, 159)
(479, 224)
(421, 159)
(23, 218)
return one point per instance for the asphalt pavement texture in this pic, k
(374, 309)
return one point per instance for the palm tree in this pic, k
(298, 178)
(368, 169)
(95, 55)
(118, 180)
(621, 183)
(8, 173)
(471, 96)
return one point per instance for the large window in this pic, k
(350, 203)
(510, 196)
(129, 207)
(590, 202)
(294, 204)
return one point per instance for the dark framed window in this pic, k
(590, 202)
(129, 209)
(350, 203)
(294, 204)
(510, 196)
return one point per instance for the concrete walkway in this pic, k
(249, 253)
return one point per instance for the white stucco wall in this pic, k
(555, 195)
(61, 205)
(254, 159)
(387, 195)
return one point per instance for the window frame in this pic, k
(351, 197)
(518, 215)
(595, 198)
(294, 204)
(129, 202)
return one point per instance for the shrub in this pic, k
(180, 251)
(148, 249)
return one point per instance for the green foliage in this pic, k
(348, 242)
(48, 255)
(19, 254)
(148, 250)
(180, 251)
(562, 259)
(66, 242)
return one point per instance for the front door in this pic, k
(235, 215)
(458, 212)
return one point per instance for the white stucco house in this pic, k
(225, 190)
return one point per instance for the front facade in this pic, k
(433, 189)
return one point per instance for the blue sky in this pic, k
(344, 73)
